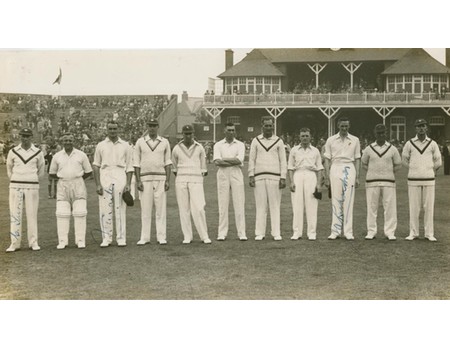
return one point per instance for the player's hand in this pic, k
(140, 186)
(282, 184)
(99, 190)
(251, 181)
(166, 186)
(292, 186)
(205, 173)
(319, 188)
(327, 182)
(126, 189)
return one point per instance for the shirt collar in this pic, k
(261, 136)
(338, 136)
(416, 138)
(225, 141)
(376, 144)
(32, 148)
(300, 146)
(158, 138)
(119, 140)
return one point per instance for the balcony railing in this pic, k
(370, 98)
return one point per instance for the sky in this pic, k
(109, 72)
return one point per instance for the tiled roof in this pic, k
(417, 61)
(254, 64)
(332, 55)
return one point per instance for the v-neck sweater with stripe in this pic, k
(422, 158)
(381, 162)
(24, 167)
(267, 158)
(189, 163)
(152, 157)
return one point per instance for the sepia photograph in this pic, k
(216, 181)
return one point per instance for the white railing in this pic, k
(329, 98)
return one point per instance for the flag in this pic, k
(58, 79)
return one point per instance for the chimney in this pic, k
(229, 56)
(184, 96)
(447, 57)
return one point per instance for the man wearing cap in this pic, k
(189, 167)
(267, 170)
(446, 154)
(381, 160)
(229, 156)
(112, 173)
(305, 174)
(152, 162)
(71, 166)
(342, 161)
(423, 158)
(24, 165)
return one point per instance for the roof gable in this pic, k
(255, 64)
(417, 61)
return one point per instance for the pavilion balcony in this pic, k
(335, 99)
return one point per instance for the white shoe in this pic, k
(105, 244)
(259, 238)
(369, 236)
(12, 248)
(431, 239)
(392, 238)
(186, 241)
(121, 244)
(410, 238)
(333, 236)
(207, 241)
(243, 238)
(35, 247)
(277, 238)
(312, 238)
(142, 242)
(220, 238)
(350, 238)
(61, 246)
(295, 238)
(162, 242)
(81, 245)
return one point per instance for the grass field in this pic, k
(290, 270)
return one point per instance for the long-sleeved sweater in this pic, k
(381, 162)
(267, 158)
(422, 159)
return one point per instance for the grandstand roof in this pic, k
(262, 62)
(332, 55)
(417, 61)
(254, 64)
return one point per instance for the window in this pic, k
(242, 81)
(398, 128)
(437, 120)
(427, 78)
(236, 120)
(408, 78)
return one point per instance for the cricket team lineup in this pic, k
(306, 172)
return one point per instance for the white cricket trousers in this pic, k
(231, 178)
(303, 201)
(153, 193)
(267, 194)
(191, 200)
(18, 197)
(342, 181)
(389, 200)
(113, 181)
(421, 196)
